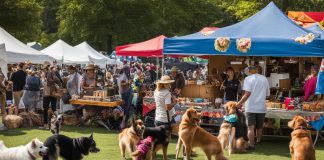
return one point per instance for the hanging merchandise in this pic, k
(243, 44)
(320, 80)
(305, 39)
(222, 44)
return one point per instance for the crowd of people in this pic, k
(21, 88)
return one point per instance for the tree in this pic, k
(108, 23)
(21, 18)
(242, 9)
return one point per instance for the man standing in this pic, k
(18, 79)
(179, 81)
(256, 89)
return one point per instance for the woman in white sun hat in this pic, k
(164, 102)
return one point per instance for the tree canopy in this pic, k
(108, 23)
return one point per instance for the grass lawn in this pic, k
(269, 149)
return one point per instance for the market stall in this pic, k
(275, 46)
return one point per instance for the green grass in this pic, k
(270, 149)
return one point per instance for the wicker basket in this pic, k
(71, 120)
(13, 121)
(31, 119)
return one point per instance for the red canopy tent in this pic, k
(149, 48)
(306, 18)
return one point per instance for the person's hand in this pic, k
(174, 99)
(239, 105)
(177, 91)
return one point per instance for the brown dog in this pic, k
(228, 131)
(129, 137)
(191, 135)
(301, 144)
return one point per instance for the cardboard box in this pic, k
(284, 83)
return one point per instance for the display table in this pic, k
(96, 103)
(284, 114)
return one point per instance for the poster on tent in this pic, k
(320, 80)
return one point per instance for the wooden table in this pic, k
(96, 103)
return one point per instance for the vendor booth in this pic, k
(95, 56)
(283, 50)
(66, 54)
(14, 51)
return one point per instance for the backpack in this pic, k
(32, 83)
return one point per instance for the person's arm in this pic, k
(243, 99)
(247, 87)
(168, 102)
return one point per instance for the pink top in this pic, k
(310, 87)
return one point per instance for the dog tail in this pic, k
(2, 145)
(136, 153)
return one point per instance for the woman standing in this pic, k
(125, 91)
(89, 80)
(51, 86)
(32, 92)
(165, 103)
(310, 84)
(231, 86)
(73, 83)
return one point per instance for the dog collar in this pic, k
(301, 127)
(31, 156)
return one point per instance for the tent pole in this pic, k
(162, 70)
(157, 67)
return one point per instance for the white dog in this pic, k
(31, 151)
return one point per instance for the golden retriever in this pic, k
(301, 144)
(229, 133)
(191, 135)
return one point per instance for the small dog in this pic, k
(56, 123)
(31, 151)
(191, 135)
(143, 149)
(233, 131)
(301, 144)
(129, 137)
(69, 148)
(161, 136)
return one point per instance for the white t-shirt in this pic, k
(162, 98)
(259, 87)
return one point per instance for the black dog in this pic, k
(69, 148)
(56, 123)
(161, 136)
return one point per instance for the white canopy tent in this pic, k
(66, 54)
(14, 51)
(95, 56)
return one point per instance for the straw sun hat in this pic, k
(165, 80)
(90, 67)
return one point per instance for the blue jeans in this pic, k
(127, 99)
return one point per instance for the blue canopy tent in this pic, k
(271, 33)
(315, 28)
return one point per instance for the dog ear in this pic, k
(189, 114)
(91, 136)
(34, 144)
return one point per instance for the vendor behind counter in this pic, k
(231, 86)
(310, 84)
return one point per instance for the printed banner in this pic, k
(320, 80)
